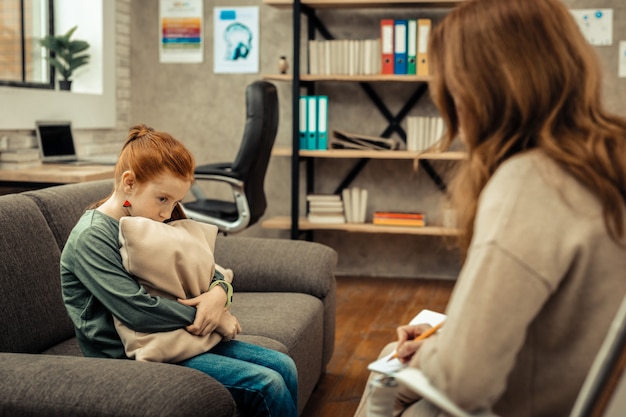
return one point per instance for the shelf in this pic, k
(348, 154)
(350, 78)
(284, 223)
(363, 3)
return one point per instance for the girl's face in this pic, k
(157, 198)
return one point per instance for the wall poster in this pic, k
(180, 31)
(236, 40)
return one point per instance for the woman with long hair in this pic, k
(541, 201)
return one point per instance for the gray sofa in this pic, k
(284, 299)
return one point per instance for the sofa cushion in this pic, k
(31, 306)
(63, 209)
(295, 320)
(44, 385)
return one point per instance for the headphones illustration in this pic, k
(238, 41)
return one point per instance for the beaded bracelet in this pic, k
(228, 289)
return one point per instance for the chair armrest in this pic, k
(278, 265)
(48, 385)
(416, 380)
(218, 168)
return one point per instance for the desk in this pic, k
(45, 175)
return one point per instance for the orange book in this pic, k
(398, 215)
(399, 222)
(386, 46)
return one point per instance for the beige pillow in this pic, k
(172, 260)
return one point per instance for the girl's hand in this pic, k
(406, 346)
(209, 310)
(229, 327)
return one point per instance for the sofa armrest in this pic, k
(278, 265)
(282, 265)
(48, 385)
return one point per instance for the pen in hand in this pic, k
(422, 336)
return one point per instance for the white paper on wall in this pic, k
(621, 71)
(595, 24)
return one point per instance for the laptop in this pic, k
(56, 145)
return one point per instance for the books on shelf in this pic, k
(355, 204)
(423, 132)
(344, 140)
(313, 123)
(404, 46)
(401, 49)
(325, 208)
(344, 57)
(397, 218)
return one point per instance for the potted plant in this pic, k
(66, 55)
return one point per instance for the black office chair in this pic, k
(246, 175)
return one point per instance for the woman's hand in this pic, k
(209, 311)
(406, 345)
(229, 327)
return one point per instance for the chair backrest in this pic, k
(600, 386)
(256, 146)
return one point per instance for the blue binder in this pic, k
(303, 116)
(322, 122)
(400, 46)
(311, 122)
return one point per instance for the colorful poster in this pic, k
(180, 31)
(236, 40)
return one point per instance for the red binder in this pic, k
(386, 46)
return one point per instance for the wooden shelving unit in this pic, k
(300, 80)
(285, 222)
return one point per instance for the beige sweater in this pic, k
(534, 300)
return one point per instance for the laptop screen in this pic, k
(55, 140)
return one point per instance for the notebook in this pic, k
(56, 145)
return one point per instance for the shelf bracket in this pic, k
(394, 121)
(393, 126)
(434, 175)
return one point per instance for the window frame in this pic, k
(52, 74)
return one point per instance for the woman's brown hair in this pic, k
(149, 153)
(516, 75)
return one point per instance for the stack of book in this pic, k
(325, 208)
(18, 152)
(396, 218)
(355, 204)
(423, 132)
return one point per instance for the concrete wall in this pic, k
(206, 111)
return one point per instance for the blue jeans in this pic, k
(262, 381)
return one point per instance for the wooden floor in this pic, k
(368, 312)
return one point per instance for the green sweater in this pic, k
(95, 285)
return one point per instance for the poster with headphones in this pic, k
(236, 40)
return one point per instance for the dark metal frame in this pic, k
(26, 84)
(315, 24)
